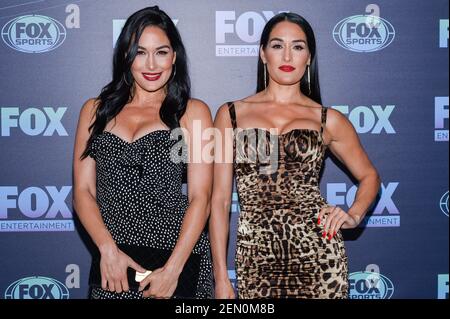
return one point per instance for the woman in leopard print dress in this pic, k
(289, 242)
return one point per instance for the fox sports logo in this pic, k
(369, 285)
(444, 204)
(33, 34)
(363, 33)
(37, 288)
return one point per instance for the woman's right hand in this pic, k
(224, 290)
(113, 266)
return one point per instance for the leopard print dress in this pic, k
(280, 249)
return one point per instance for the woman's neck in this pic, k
(144, 98)
(285, 94)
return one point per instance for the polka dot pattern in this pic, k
(139, 193)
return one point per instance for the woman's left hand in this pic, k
(334, 218)
(163, 283)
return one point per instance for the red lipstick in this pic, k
(287, 68)
(152, 76)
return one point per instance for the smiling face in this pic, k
(152, 67)
(287, 54)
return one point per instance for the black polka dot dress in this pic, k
(139, 193)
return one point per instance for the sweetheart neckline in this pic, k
(283, 134)
(138, 139)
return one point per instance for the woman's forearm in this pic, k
(367, 191)
(193, 225)
(89, 214)
(219, 226)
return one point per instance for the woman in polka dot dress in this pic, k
(132, 147)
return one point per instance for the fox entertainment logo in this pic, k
(35, 209)
(441, 119)
(238, 36)
(385, 211)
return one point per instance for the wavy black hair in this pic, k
(311, 41)
(118, 92)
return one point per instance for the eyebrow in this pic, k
(158, 48)
(281, 40)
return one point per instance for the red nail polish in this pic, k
(324, 234)
(329, 237)
(318, 222)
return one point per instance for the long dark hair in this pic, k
(118, 93)
(311, 40)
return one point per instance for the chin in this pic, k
(152, 87)
(289, 83)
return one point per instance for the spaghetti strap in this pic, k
(323, 121)
(232, 110)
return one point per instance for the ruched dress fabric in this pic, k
(280, 249)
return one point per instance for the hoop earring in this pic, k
(125, 80)
(174, 73)
(265, 76)
(309, 79)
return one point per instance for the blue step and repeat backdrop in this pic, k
(385, 65)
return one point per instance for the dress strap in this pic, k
(323, 121)
(232, 110)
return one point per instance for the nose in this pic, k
(150, 62)
(287, 54)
